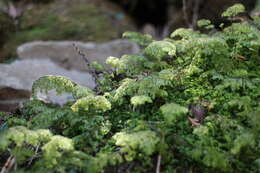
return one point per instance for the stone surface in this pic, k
(65, 55)
(16, 80)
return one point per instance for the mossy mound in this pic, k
(83, 20)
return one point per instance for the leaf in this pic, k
(160, 49)
(138, 38)
(140, 100)
(92, 103)
(172, 112)
(61, 85)
(234, 10)
(144, 141)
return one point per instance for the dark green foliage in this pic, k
(142, 110)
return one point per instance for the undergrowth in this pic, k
(188, 103)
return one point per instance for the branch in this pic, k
(93, 71)
(9, 164)
(158, 163)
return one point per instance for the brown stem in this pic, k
(9, 164)
(91, 70)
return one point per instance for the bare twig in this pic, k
(9, 164)
(35, 155)
(84, 57)
(158, 163)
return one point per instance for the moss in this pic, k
(68, 20)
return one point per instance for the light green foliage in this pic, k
(128, 64)
(113, 61)
(173, 112)
(204, 23)
(91, 103)
(184, 33)
(143, 141)
(140, 100)
(141, 110)
(61, 85)
(160, 49)
(234, 10)
(21, 135)
(54, 148)
(243, 141)
(138, 38)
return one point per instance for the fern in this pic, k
(143, 141)
(140, 114)
(142, 40)
(234, 10)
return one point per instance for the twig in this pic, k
(158, 163)
(8, 164)
(33, 157)
(91, 70)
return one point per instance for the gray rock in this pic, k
(22, 73)
(64, 54)
(16, 80)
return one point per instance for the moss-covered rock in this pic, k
(83, 20)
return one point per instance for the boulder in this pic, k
(64, 54)
(16, 80)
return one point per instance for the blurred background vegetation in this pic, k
(23, 21)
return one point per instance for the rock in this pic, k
(22, 73)
(65, 55)
(16, 80)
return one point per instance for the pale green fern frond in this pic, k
(61, 85)
(91, 103)
(160, 49)
(144, 141)
(234, 10)
(141, 39)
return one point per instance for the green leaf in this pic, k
(234, 10)
(138, 38)
(160, 49)
(172, 112)
(92, 103)
(140, 100)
